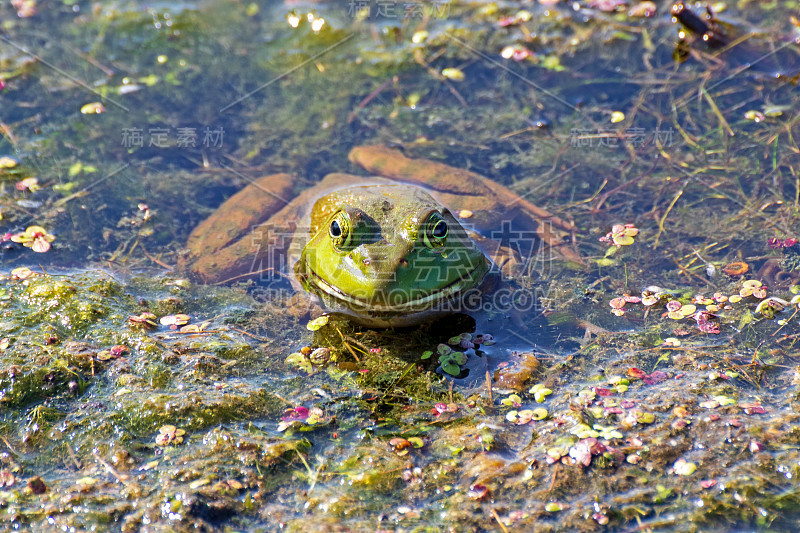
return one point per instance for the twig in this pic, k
(347, 344)
(555, 475)
(601, 199)
(398, 380)
(687, 272)
(786, 321)
(72, 456)
(122, 478)
(350, 349)
(311, 474)
(497, 517)
(7, 132)
(8, 445)
(357, 343)
(706, 249)
(252, 336)
(433, 72)
(717, 112)
(205, 332)
(154, 260)
(247, 275)
(371, 96)
(666, 214)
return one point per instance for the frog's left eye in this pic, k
(435, 231)
(340, 231)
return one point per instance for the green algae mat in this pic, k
(650, 383)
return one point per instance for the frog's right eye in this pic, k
(435, 234)
(340, 231)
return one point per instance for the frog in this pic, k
(399, 247)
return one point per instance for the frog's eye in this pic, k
(340, 231)
(435, 231)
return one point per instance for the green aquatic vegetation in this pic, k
(451, 360)
(192, 411)
(19, 388)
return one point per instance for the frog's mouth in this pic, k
(426, 302)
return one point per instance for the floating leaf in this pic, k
(146, 319)
(724, 400)
(34, 237)
(400, 446)
(684, 468)
(8, 162)
(28, 184)
(317, 323)
(603, 262)
(416, 442)
(419, 37)
(477, 492)
(646, 418)
(298, 361)
(617, 303)
(175, 320)
(540, 392)
(453, 74)
(197, 483)
(623, 240)
(451, 368)
(636, 373)
(169, 435)
(94, 108)
(514, 400)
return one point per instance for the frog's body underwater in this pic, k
(385, 252)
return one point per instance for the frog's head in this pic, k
(388, 255)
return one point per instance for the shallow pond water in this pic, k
(654, 388)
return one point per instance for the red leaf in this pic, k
(636, 373)
(656, 377)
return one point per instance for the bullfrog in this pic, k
(393, 249)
